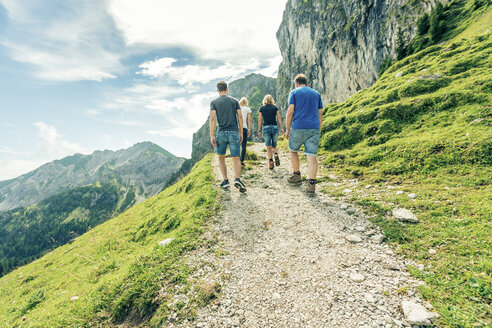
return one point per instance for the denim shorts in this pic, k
(228, 138)
(307, 137)
(270, 134)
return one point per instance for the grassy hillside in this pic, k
(425, 127)
(27, 232)
(117, 272)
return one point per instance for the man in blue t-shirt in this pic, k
(304, 118)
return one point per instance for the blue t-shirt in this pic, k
(306, 103)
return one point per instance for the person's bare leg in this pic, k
(222, 166)
(294, 160)
(269, 152)
(312, 166)
(275, 150)
(237, 166)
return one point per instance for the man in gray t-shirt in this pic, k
(225, 108)
(227, 112)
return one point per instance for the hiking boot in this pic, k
(277, 160)
(225, 184)
(270, 165)
(311, 189)
(294, 179)
(239, 185)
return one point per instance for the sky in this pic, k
(83, 75)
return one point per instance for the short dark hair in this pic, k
(221, 86)
(300, 79)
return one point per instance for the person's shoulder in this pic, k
(213, 102)
(314, 91)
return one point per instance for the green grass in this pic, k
(432, 137)
(117, 271)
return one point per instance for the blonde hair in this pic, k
(243, 101)
(268, 100)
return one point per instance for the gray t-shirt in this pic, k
(226, 109)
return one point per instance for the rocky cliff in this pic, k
(340, 44)
(254, 87)
(144, 166)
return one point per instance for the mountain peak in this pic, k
(144, 164)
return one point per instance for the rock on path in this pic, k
(287, 261)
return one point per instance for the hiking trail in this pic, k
(289, 260)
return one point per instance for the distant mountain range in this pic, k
(51, 205)
(144, 166)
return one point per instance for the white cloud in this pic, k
(272, 69)
(8, 150)
(63, 42)
(52, 145)
(235, 31)
(188, 75)
(14, 167)
(184, 116)
(143, 97)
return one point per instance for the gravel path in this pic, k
(289, 260)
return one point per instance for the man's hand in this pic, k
(282, 132)
(287, 134)
(249, 133)
(259, 134)
(212, 140)
(240, 137)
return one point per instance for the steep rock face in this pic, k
(144, 166)
(254, 87)
(340, 44)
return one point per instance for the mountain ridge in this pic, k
(144, 165)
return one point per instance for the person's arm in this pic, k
(240, 121)
(249, 124)
(279, 118)
(320, 113)
(212, 127)
(290, 115)
(260, 120)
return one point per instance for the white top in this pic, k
(245, 110)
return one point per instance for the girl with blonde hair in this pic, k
(246, 113)
(270, 116)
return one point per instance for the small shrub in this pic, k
(207, 292)
(251, 156)
(387, 62)
(343, 137)
(378, 140)
(392, 96)
(367, 116)
(371, 129)
(477, 4)
(423, 24)
(401, 48)
(422, 86)
(33, 301)
(464, 65)
(437, 24)
(388, 126)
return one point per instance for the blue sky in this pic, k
(79, 76)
